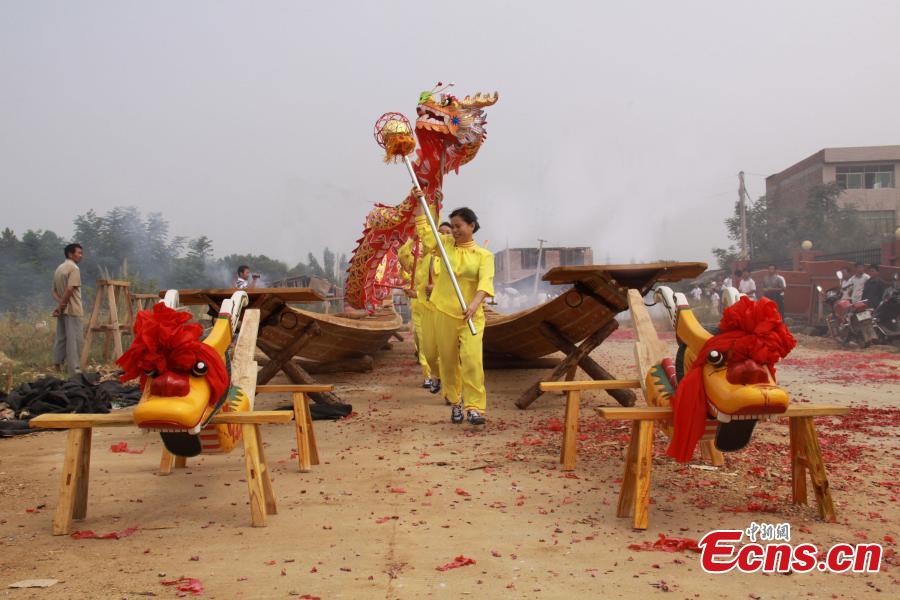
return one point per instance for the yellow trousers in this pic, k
(418, 310)
(461, 364)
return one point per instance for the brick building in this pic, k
(867, 174)
(515, 265)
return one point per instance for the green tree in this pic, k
(774, 235)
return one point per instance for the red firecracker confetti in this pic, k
(459, 561)
(113, 535)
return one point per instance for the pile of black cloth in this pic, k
(83, 393)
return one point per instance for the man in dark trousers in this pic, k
(66, 291)
(874, 288)
(773, 288)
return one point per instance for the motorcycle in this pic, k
(887, 314)
(848, 321)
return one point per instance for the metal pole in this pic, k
(437, 238)
(537, 270)
(742, 194)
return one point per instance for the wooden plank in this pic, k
(291, 388)
(257, 417)
(302, 429)
(656, 413)
(624, 397)
(124, 419)
(644, 467)
(112, 292)
(606, 384)
(798, 459)
(658, 271)
(313, 446)
(83, 476)
(570, 431)
(166, 462)
(254, 475)
(284, 355)
(817, 474)
(265, 476)
(75, 421)
(625, 505)
(68, 483)
(202, 296)
(243, 366)
(89, 337)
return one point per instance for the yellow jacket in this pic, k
(406, 256)
(472, 265)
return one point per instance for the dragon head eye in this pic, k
(200, 368)
(715, 358)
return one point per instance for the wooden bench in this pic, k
(634, 495)
(73, 490)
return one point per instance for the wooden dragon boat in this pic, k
(333, 336)
(596, 295)
(576, 321)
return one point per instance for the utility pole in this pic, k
(742, 207)
(537, 270)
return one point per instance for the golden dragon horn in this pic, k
(479, 100)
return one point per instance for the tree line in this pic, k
(775, 235)
(123, 243)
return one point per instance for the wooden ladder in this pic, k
(115, 294)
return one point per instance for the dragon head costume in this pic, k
(720, 384)
(449, 132)
(185, 380)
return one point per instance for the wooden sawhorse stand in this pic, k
(73, 489)
(806, 456)
(307, 449)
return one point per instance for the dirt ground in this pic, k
(402, 491)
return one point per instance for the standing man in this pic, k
(66, 291)
(873, 290)
(244, 282)
(856, 284)
(746, 285)
(773, 288)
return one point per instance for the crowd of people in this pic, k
(772, 286)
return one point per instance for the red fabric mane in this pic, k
(748, 330)
(164, 341)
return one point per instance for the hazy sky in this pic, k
(620, 125)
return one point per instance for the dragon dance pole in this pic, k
(437, 236)
(394, 134)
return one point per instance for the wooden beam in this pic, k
(658, 413)
(570, 431)
(595, 371)
(124, 419)
(278, 359)
(292, 388)
(243, 367)
(573, 358)
(606, 384)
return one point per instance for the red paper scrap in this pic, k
(459, 561)
(667, 544)
(122, 447)
(184, 585)
(113, 535)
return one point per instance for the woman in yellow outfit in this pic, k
(460, 352)
(415, 264)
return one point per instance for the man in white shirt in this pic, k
(696, 293)
(243, 281)
(856, 284)
(728, 282)
(746, 285)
